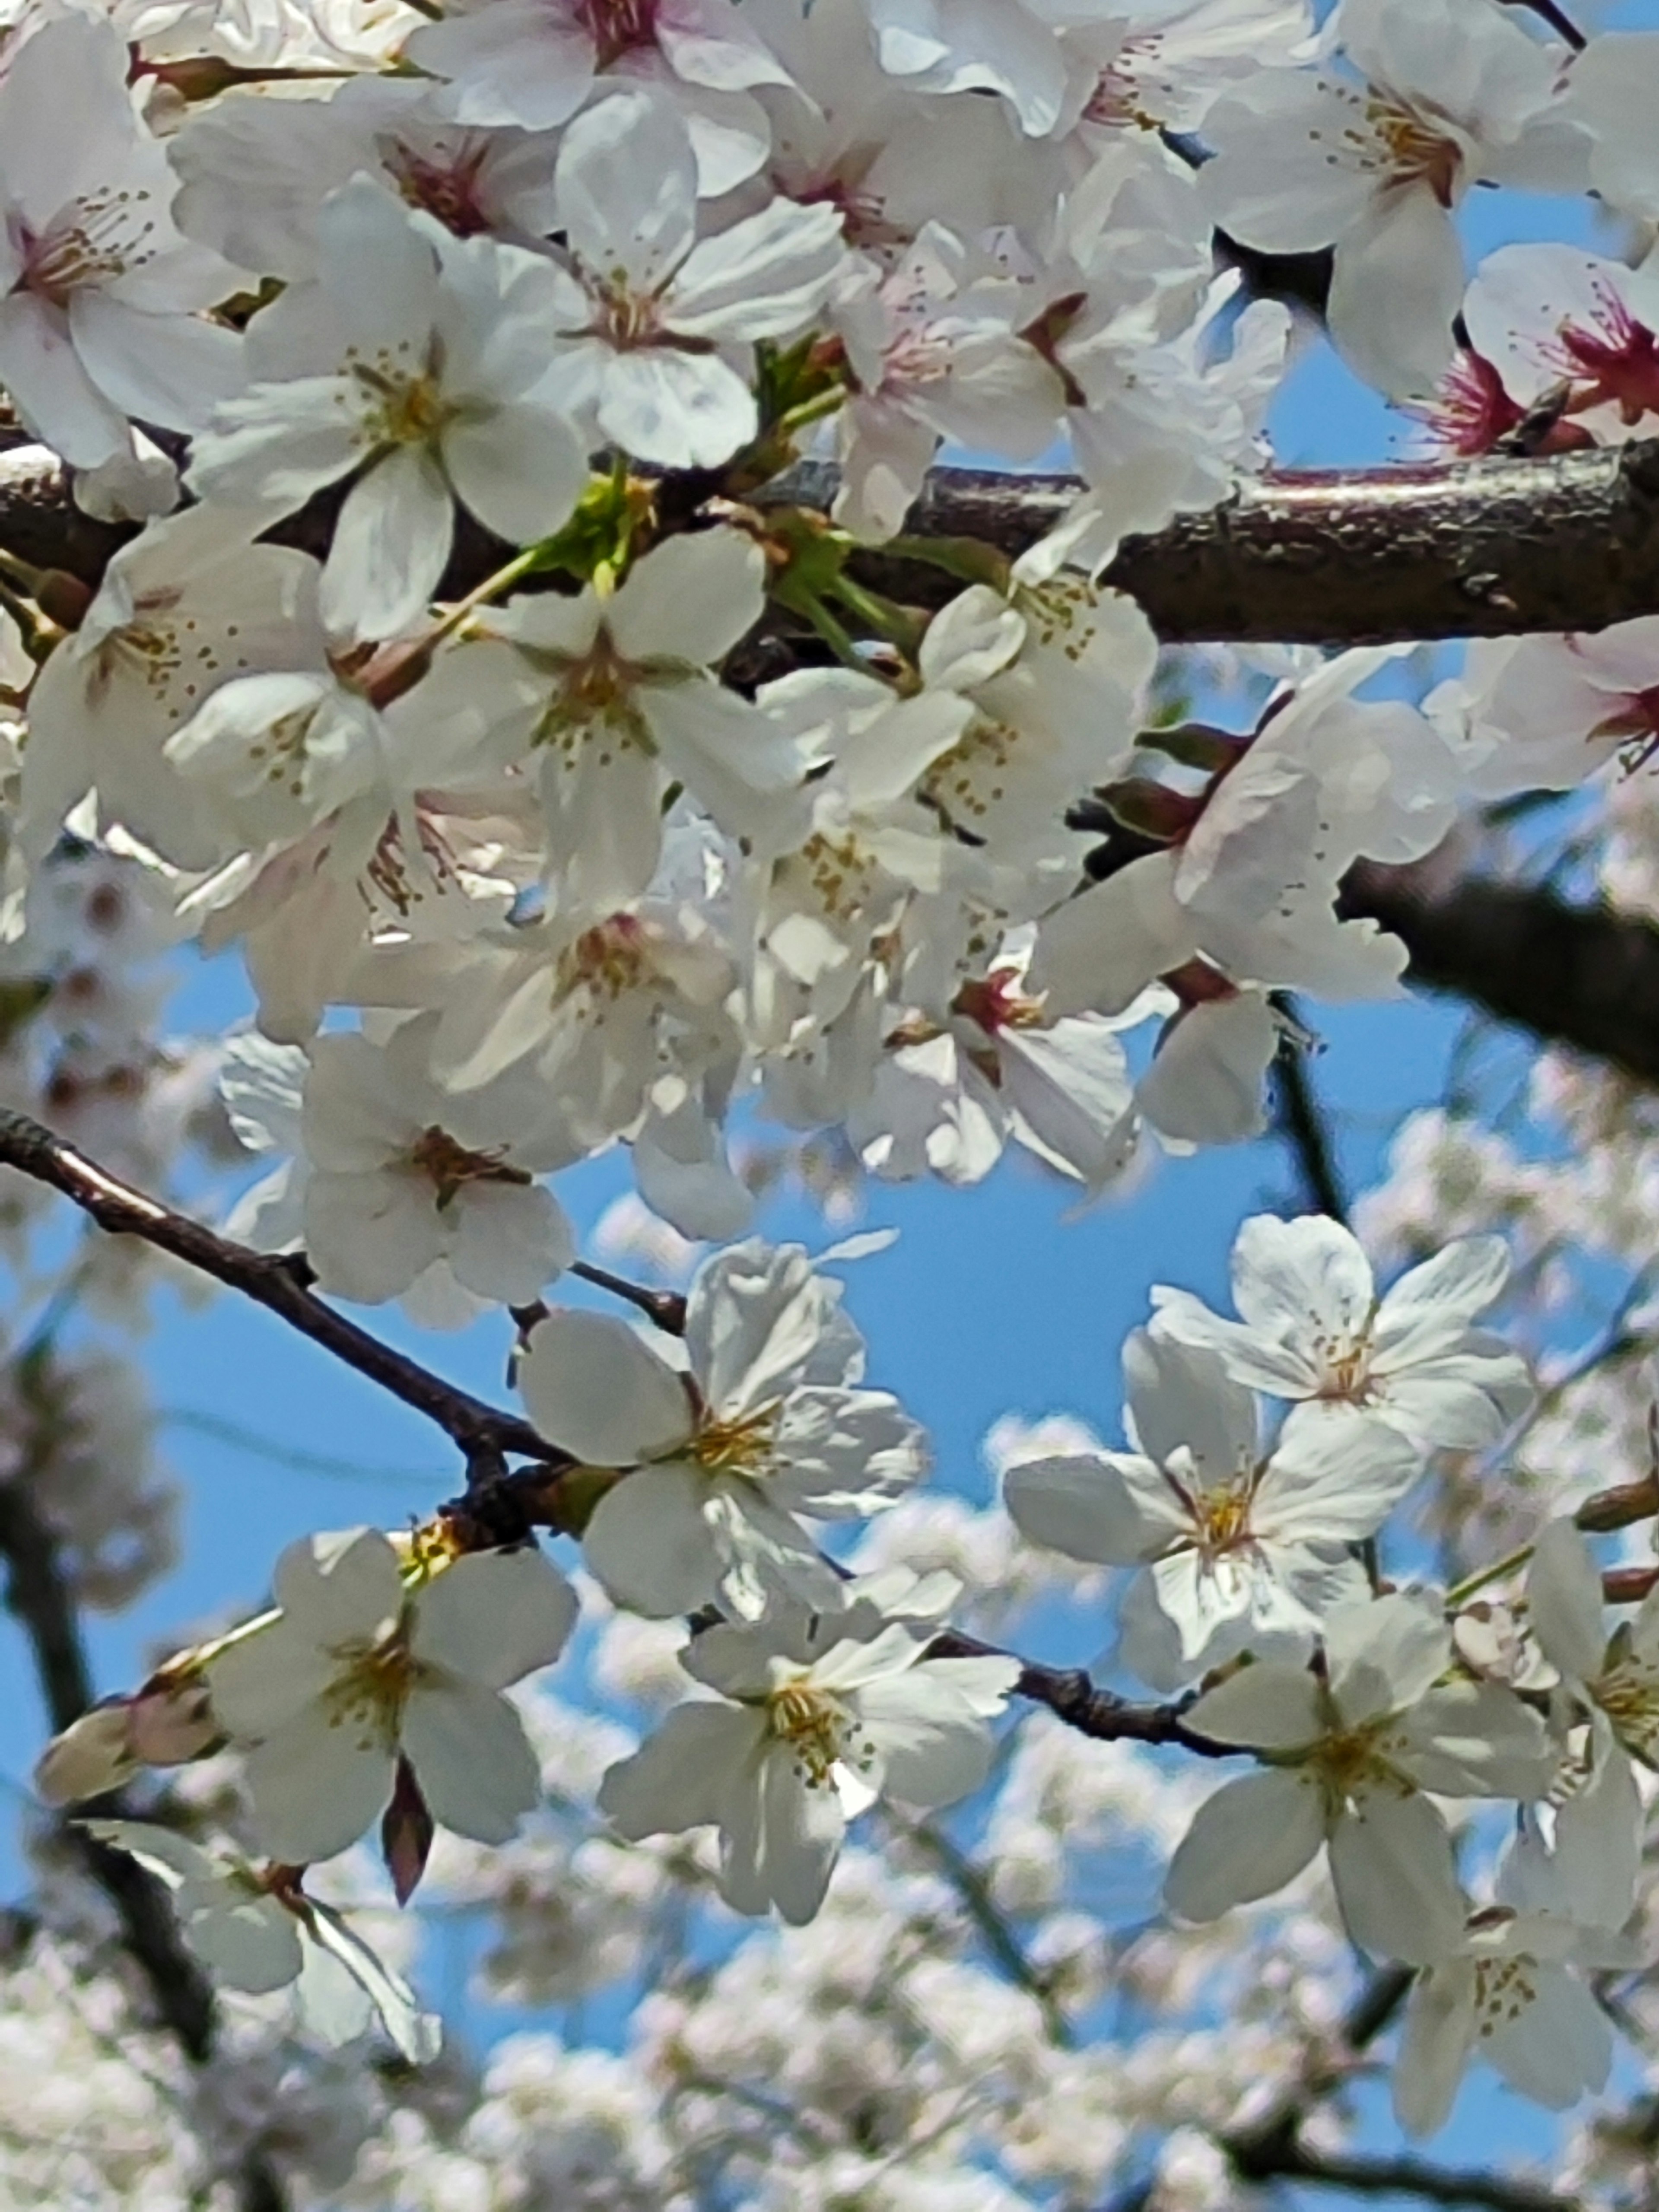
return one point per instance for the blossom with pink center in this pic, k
(653, 327)
(1574, 329)
(99, 292)
(536, 62)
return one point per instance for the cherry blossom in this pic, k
(99, 318)
(359, 1668)
(607, 697)
(817, 1716)
(1244, 1550)
(1305, 160)
(410, 363)
(1351, 1757)
(717, 1462)
(1315, 1331)
(256, 1933)
(408, 1197)
(648, 312)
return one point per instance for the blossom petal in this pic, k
(931, 1747)
(315, 1788)
(591, 1384)
(1558, 2047)
(389, 548)
(1107, 1508)
(683, 411)
(1564, 1602)
(691, 598)
(679, 1776)
(1383, 1655)
(1434, 2046)
(1250, 1839)
(1269, 1707)
(650, 1544)
(493, 1616)
(471, 1757)
(1396, 1876)
(519, 469)
(1474, 1740)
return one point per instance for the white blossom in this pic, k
(1351, 1757)
(411, 363)
(360, 1668)
(1243, 1548)
(1314, 1330)
(718, 1461)
(811, 1724)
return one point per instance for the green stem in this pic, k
(1461, 1592)
(839, 640)
(896, 623)
(816, 409)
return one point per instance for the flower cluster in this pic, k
(528, 644)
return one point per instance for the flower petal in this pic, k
(650, 1543)
(1396, 1876)
(471, 1757)
(592, 1385)
(1250, 1839)
(493, 1616)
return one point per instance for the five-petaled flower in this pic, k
(362, 1664)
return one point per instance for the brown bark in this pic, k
(1470, 549)
(1579, 976)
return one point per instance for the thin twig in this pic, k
(1364, 2176)
(1302, 1125)
(1073, 1696)
(665, 1308)
(273, 1281)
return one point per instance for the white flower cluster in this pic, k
(473, 660)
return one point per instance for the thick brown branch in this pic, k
(1469, 549)
(276, 1283)
(1580, 976)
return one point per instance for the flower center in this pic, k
(1617, 354)
(747, 1446)
(1351, 1758)
(1221, 1517)
(370, 1691)
(841, 873)
(1503, 1988)
(617, 27)
(411, 410)
(1629, 1696)
(1344, 1368)
(449, 1166)
(446, 187)
(816, 1728)
(1416, 152)
(610, 959)
(593, 694)
(91, 241)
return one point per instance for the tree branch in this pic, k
(1071, 1696)
(1301, 1121)
(1468, 549)
(279, 1283)
(1580, 977)
(1364, 2176)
